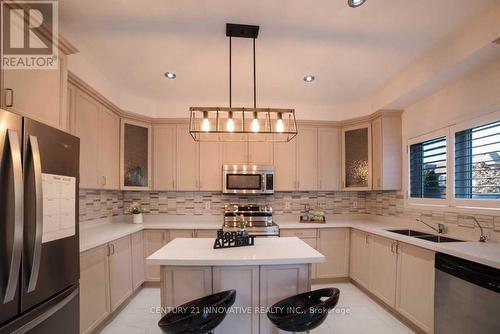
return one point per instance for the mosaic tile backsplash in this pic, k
(98, 204)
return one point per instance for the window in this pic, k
(428, 169)
(477, 162)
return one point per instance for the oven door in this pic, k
(243, 182)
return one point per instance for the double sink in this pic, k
(424, 236)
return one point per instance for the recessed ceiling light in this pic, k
(170, 75)
(355, 3)
(309, 78)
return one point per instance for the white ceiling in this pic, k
(351, 52)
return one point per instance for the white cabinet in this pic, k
(260, 153)
(120, 271)
(334, 245)
(357, 157)
(135, 164)
(415, 285)
(98, 128)
(285, 166)
(138, 259)
(210, 166)
(165, 145)
(328, 158)
(153, 240)
(383, 269)
(387, 152)
(235, 152)
(109, 149)
(360, 257)
(187, 160)
(307, 158)
(94, 288)
(87, 117)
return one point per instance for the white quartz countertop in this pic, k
(485, 253)
(266, 251)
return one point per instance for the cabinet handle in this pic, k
(392, 247)
(378, 183)
(366, 238)
(103, 180)
(109, 250)
(397, 248)
(173, 184)
(320, 183)
(11, 91)
(112, 249)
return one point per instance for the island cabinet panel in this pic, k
(164, 156)
(153, 240)
(277, 283)
(360, 257)
(137, 242)
(94, 288)
(180, 285)
(415, 285)
(383, 269)
(245, 280)
(120, 271)
(334, 245)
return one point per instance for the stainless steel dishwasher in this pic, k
(467, 297)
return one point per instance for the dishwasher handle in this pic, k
(472, 272)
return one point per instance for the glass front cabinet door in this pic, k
(357, 157)
(136, 155)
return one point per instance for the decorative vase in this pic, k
(138, 218)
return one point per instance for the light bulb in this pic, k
(205, 125)
(280, 127)
(230, 125)
(255, 125)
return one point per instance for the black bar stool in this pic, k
(199, 316)
(303, 312)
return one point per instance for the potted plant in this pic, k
(136, 211)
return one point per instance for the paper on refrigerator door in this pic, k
(59, 205)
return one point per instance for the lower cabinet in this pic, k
(399, 274)
(383, 269)
(94, 288)
(181, 234)
(206, 233)
(334, 245)
(138, 259)
(106, 280)
(415, 285)
(360, 257)
(153, 240)
(120, 271)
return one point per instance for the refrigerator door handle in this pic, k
(17, 242)
(34, 149)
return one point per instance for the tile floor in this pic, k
(361, 315)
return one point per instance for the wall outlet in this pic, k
(208, 205)
(287, 205)
(354, 205)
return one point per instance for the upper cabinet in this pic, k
(285, 166)
(328, 158)
(387, 152)
(188, 177)
(260, 153)
(135, 170)
(210, 166)
(99, 131)
(38, 93)
(165, 139)
(307, 158)
(356, 157)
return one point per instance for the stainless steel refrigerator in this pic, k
(39, 239)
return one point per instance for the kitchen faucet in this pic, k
(482, 237)
(440, 227)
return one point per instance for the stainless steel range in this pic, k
(257, 219)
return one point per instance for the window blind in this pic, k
(477, 162)
(428, 169)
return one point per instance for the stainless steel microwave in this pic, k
(247, 179)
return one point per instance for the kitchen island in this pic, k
(272, 269)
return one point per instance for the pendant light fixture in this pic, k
(239, 123)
